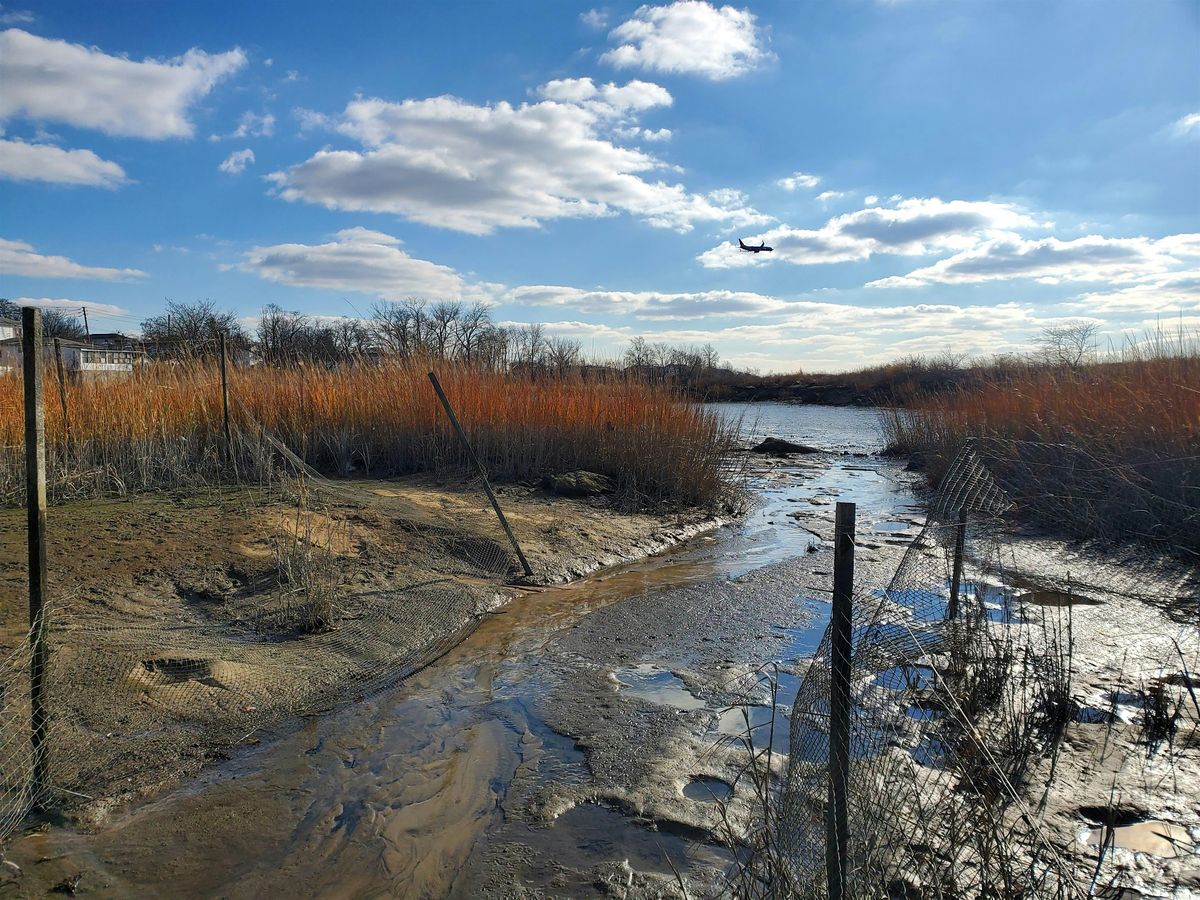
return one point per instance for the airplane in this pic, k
(761, 248)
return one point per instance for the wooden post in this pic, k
(225, 402)
(960, 539)
(462, 436)
(35, 501)
(87, 329)
(62, 387)
(837, 816)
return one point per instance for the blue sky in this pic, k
(932, 173)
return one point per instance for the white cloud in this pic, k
(19, 258)
(100, 309)
(449, 163)
(236, 162)
(21, 161)
(911, 227)
(9, 16)
(51, 80)
(828, 196)
(689, 37)
(1186, 125)
(658, 305)
(595, 18)
(359, 260)
(870, 199)
(799, 180)
(253, 125)
(1050, 260)
(1160, 294)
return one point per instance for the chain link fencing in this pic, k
(953, 716)
(145, 693)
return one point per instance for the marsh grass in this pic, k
(162, 428)
(1108, 450)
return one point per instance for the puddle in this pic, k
(890, 526)
(589, 834)
(905, 678)
(924, 710)
(707, 789)
(1092, 715)
(1056, 598)
(657, 685)
(732, 724)
(1157, 838)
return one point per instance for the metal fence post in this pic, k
(62, 386)
(837, 816)
(960, 539)
(225, 402)
(462, 436)
(35, 502)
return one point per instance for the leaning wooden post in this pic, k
(62, 387)
(462, 436)
(225, 401)
(35, 501)
(837, 816)
(960, 540)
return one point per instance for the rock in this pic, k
(776, 447)
(579, 484)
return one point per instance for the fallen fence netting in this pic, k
(956, 705)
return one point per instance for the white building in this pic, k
(80, 360)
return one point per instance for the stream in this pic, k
(563, 741)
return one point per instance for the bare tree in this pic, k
(473, 324)
(563, 354)
(443, 325)
(1069, 344)
(529, 346)
(193, 329)
(639, 354)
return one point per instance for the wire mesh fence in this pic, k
(155, 689)
(961, 687)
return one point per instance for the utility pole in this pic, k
(86, 328)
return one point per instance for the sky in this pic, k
(932, 174)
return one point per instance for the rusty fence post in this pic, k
(462, 436)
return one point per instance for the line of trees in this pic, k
(409, 329)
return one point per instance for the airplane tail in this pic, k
(742, 244)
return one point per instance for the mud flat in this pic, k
(159, 593)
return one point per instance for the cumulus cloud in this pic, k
(1186, 125)
(53, 80)
(799, 180)
(910, 227)
(19, 258)
(235, 163)
(21, 161)
(689, 37)
(357, 259)
(658, 305)
(594, 18)
(453, 164)
(59, 303)
(1159, 294)
(1050, 260)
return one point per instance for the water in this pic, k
(399, 793)
(838, 428)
